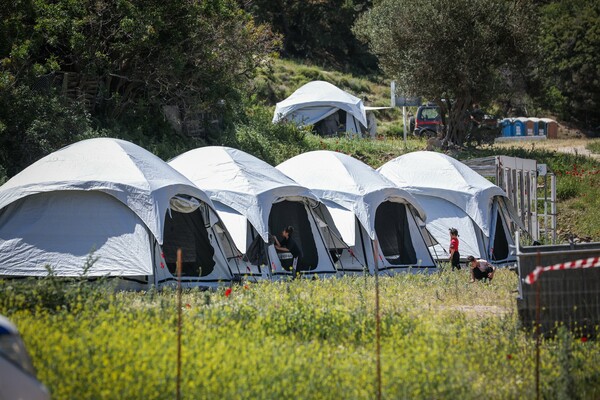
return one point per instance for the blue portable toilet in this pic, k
(507, 127)
(532, 125)
(519, 126)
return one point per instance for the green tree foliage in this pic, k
(33, 124)
(317, 30)
(177, 52)
(456, 49)
(570, 60)
(120, 61)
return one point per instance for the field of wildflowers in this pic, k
(441, 337)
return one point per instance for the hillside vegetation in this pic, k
(192, 73)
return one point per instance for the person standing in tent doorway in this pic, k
(285, 244)
(454, 254)
(481, 269)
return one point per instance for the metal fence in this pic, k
(569, 297)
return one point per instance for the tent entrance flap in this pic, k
(292, 213)
(257, 253)
(500, 249)
(188, 232)
(393, 232)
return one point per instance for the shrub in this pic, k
(274, 143)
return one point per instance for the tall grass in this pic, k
(594, 146)
(441, 338)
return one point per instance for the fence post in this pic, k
(537, 332)
(377, 319)
(179, 324)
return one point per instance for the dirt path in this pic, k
(565, 145)
(579, 150)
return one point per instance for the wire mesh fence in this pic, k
(567, 297)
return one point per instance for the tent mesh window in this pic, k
(188, 232)
(393, 232)
(293, 213)
(500, 249)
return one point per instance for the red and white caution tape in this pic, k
(583, 263)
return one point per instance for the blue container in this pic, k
(507, 127)
(531, 124)
(519, 128)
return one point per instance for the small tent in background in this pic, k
(455, 196)
(327, 107)
(113, 202)
(255, 201)
(365, 207)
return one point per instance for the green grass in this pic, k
(594, 146)
(283, 77)
(372, 152)
(441, 337)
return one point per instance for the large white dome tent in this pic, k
(365, 207)
(455, 196)
(319, 101)
(255, 201)
(114, 201)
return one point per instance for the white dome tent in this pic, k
(114, 202)
(455, 196)
(365, 207)
(321, 102)
(255, 201)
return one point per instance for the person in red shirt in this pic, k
(454, 254)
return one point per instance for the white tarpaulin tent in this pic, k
(455, 196)
(255, 201)
(318, 100)
(365, 207)
(112, 201)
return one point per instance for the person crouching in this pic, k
(480, 269)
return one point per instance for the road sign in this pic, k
(401, 101)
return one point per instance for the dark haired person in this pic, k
(454, 254)
(285, 244)
(480, 269)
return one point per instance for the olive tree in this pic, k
(570, 64)
(459, 50)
